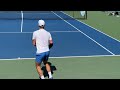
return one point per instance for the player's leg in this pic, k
(48, 69)
(38, 62)
(45, 61)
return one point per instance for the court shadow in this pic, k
(53, 68)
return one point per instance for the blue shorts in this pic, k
(42, 56)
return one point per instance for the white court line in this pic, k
(63, 31)
(85, 34)
(91, 27)
(32, 32)
(14, 32)
(92, 56)
(21, 21)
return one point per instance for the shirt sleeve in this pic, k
(50, 37)
(34, 36)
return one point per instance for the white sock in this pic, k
(42, 77)
(50, 74)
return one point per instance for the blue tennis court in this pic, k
(71, 38)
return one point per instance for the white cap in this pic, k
(41, 23)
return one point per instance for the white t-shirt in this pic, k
(42, 40)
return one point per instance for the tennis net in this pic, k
(36, 15)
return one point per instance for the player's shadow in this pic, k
(53, 68)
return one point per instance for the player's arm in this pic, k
(34, 42)
(50, 44)
(50, 41)
(34, 39)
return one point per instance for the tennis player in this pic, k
(42, 40)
